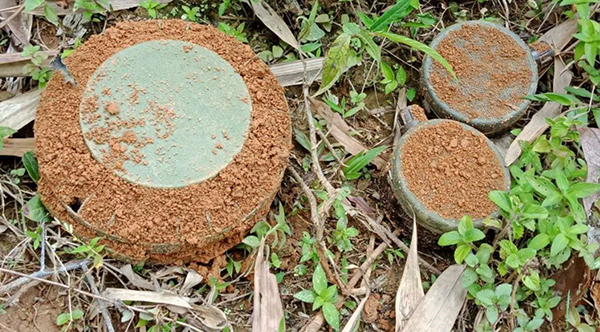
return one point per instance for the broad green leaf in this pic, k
(503, 290)
(252, 241)
(483, 253)
(35, 210)
(306, 295)
(473, 235)
(370, 46)
(465, 224)
(486, 296)
(358, 162)
(32, 4)
(561, 181)
(513, 261)
(401, 76)
(419, 47)
(330, 294)
(449, 238)
(584, 189)
(526, 254)
(461, 253)
(318, 303)
(63, 319)
(319, 280)
(394, 14)
(50, 14)
(539, 242)
(5, 132)
(336, 61)
(31, 165)
(387, 72)
(77, 314)
(332, 315)
(578, 229)
(468, 277)
(367, 21)
(533, 211)
(559, 243)
(491, 313)
(501, 199)
(561, 98)
(81, 249)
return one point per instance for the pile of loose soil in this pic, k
(493, 72)
(451, 170)
(161, 225)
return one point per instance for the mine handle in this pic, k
(543, 59)
(407, 119)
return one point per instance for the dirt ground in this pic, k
(36, 311)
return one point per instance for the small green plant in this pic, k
(91, 250)
(49, 12)
(356, 101)
(238, 33)
(38, 71)
(322, 297)
(574, 319)
(17, 174)
(152, 6)
(36, 236)
(543, 224)
(279, 232)
(268, 56)
(232, 266)
(391, 254)
(390, 80)
(349, 47)
(355, 165)
(68, 317)
(4, 133)
(190, 14)
(342, 235)
(91, 8)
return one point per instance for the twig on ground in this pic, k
(101, 304)
(12, 16)
(99, 297)
(38, 275)
(319, 223)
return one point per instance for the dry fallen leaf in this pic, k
(292, 73)
(146, 296)
(191, 280)
(339, 129)
(572, 283)
(18, 111)
(135, 279)
(274, 22)
(267, 314)
(590, 143)
(410, 292)
(440, 307)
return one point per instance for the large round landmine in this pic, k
(494, 71)
(171, 145)
(443, 170)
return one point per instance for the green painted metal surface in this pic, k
(178, 113)
(485, 125)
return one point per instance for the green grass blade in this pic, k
(419, 47)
